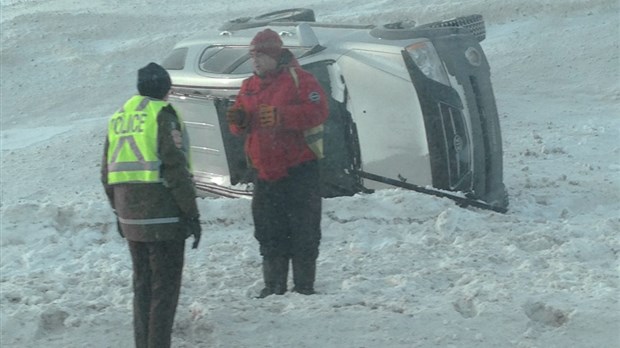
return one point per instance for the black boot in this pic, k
(275, 275)
(304, 273)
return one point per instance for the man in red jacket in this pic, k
(275, 109)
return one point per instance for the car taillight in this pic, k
(426, 58)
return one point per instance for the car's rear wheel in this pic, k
(288, 15)
(293, 15)
(395, 31)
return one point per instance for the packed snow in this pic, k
(397, 268)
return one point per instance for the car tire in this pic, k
(287, 15)
(403, 30)
(395, 31)
(474, 23)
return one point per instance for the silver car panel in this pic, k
(388, 118)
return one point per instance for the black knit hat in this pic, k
(153, 81)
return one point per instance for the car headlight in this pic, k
(426, 58)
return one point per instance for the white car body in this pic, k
(409, 106)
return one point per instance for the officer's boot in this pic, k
(304, 273)
(275, 273)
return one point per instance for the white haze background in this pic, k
(397, 268)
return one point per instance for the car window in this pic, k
(176, 59)
(221, 60)
(232, 59)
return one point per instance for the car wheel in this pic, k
(293, 15)
(288, 15)
(474, 23)
(395, 31)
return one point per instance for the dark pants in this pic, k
(287, 213)
(157, 270)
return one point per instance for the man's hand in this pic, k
(237, 116)
(192, 226)
(267, 115)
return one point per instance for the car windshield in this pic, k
(233, 59)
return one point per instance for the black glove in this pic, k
(192, 226)
(237, 116)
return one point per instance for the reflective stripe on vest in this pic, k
(314, 135)
(132, 136)
(153, 221)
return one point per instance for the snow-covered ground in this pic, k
(397, 268)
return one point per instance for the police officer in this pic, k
(146, 176)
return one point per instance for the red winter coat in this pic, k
(274, 150)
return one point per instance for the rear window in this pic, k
(232, 59)
(175, 60)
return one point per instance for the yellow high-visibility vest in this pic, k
(132, 136)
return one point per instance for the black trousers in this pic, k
(287, 213)
(157, 270)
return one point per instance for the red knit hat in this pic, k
(267, 42)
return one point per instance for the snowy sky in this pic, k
(397, 268)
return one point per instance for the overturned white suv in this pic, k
(410, 106)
